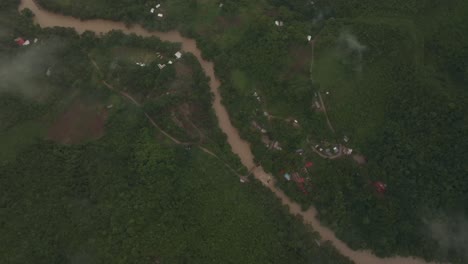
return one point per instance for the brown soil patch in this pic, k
(183, 71)
(79, 123)
(301, 57)
(360, 159)
(197, 115)
(185, 116)
(228, 22)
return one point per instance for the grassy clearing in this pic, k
(358, 88)
(134, 54)
(241, 82)
(207, 13)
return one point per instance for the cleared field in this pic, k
(81, 122)
(351, 71)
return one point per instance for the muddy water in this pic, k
(239, 146)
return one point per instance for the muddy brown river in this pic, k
(238, 145)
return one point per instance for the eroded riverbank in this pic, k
(239, 146)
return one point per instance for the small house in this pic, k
(348, 151)
(20, 41)
(152, 10)
(297, 178)
(178, 55)
(380, 186)
(160, 15)
(278, 23)
(276, 145)
(287, 176)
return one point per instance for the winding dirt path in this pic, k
(325, 111)
(151, 120)
(238, 145)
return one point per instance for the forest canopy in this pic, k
(385, 79)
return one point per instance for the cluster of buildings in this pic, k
(155, 9)
(177, 55)
(301, 177)
(24, 42)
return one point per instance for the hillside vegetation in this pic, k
(393, 78)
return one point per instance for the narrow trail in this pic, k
(338, 155)
(173, 139)
(151, 120)
(129, 97)
(222, 161)
(124, 94)
(239, 146)
(164, 132)
(325, 111)
(312, 43)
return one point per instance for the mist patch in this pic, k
(351, 50)
(21, 72)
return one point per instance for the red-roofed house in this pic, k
(20, 41)
(380, 186)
